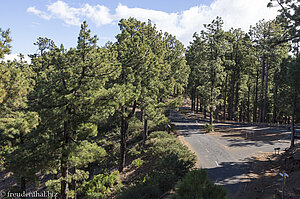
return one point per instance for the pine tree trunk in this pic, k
(142, 115)
(217, 111)
(74, 182)
(274, 105)
(225, 95)
(204, 113)
(64, 160)
(124, 134)
(293, 119)
(256, 99)
(23, 179)
(230, 111)
(248, 104)
(262, 89)
(197, 104)
(64, 175)
(192, 104)
(236, 103)
(123, 147)
(211, 108)
(265, 92)
(23, 185)
(210, 116)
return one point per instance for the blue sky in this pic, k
(60, 20)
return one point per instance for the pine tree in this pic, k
(16, 121)
(69, 96)
(213, 68)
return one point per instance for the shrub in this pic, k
(171, 161)
(135, 125)
(135, 151)
(101, 186)
(137, 163)
(158, 123)
(141, 191)
(208, 128)
(176, 158)
(196, 184)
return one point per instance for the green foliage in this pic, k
(53, 185)
(52, 111)
(169, 164)
(294, 74)
(135, 151)
(208, 128)
(206, 57)
(16, 120)
(101, 186)
(5, 40)
(141, 191)
(85, 153)
(289, 18)
(135, 127)
(137, 163)
(197, 185)
(175, 158)
(70, 96)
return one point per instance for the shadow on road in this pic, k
(242, 138)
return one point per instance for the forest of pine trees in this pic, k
(71, 113)
(247, 76)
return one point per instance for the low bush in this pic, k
(208, 128)
(176, 158)
(196, 184)
(101, 186)
(137, 163)
(170, 161)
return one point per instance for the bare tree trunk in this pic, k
(193, 101)
(197, 104)
(74, 182)
(210, 116)
(248, 104)
(230, 111)
(23, 179)
(293, 119)
(211, 108)
(265, 92)
(23, 185)
(256, 99)
(142, 115)
(225, 95)
(124, 134)
(275, 103)
(262, 89)
(64, 159)
(236, 104)
(123, 147)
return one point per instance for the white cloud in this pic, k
(17, 57)
(235, 13)
(166, 21)
(39, 13)
(98, 14)
(62, 11)
(74, 16)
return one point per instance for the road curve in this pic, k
(228, 161)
